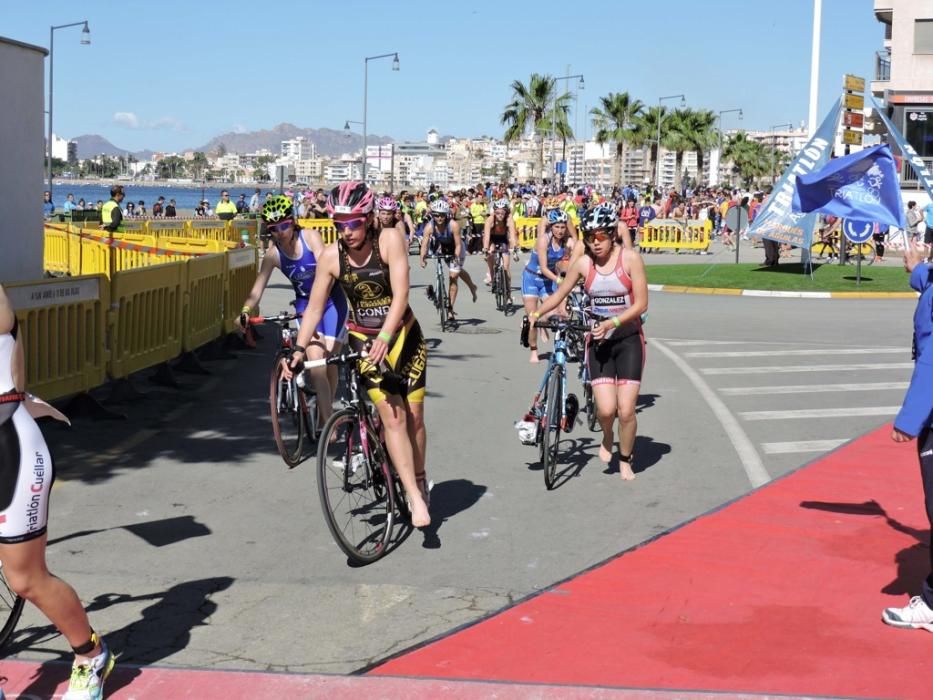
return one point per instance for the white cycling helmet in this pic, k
(501, 204)
(440, 206)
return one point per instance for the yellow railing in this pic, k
(324, 226)
(672, 234)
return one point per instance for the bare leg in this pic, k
(419, 440)
(452, 289)
(395, 424)
(606, 411)
(531, 305)
(468, 280)
(627, 398)
(320, 380)
(25, 570)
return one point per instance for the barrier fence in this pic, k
(80, 331)
(676, 235)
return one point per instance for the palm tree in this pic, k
(646, 131)
(533, 107)
(677, 138)
(703, 135)
(614, 121)
(750, 159)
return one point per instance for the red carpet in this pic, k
(779, 592)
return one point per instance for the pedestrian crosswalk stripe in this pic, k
(777, 369)
(809, 388)
(842, 412)
(786, 448)
(820, 352)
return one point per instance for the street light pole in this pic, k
(719, 162)
(683, 101)
(85, 40)
(395, 67)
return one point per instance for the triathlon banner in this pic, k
(777, 220)
(908, 151)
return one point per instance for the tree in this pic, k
(676, 137)
(750, 159)
(615, 120)
(702, 134)
(171, 167)
(533, 107)
(221, 150)
(646, 131)
(198, 165)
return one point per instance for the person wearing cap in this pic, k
(241, 206)
(225, 209)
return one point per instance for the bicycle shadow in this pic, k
(158, 533)
(163, 629)
(913, 561)
(448, 499)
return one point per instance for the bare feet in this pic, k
(420, 517)
(534, 357)
(605, 451)
(625, 471)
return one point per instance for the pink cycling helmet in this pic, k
(386, 204)
(351, 197)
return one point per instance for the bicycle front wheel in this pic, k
(288, 407)
(11, 607)
(551, 438)
(591, 420)
(503, 286)
(356, 487)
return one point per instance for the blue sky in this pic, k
(170, 75)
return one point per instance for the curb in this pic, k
(721, 291)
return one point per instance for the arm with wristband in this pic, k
(269, 263)
(328, 269)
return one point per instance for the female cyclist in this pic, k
(26, 476)
(499, 233)
(388, 216)
(373, 272)
(614, 278)
(556, 246)
(442, 236)
(297, 252)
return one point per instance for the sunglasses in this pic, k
(351, 225)
(600, 236)
(280, 227)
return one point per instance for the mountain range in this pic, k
(327, 142)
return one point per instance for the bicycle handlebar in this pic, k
(341, 359)
(557, 324)
(283, 317)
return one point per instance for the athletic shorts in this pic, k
(499, 242)
(617, 361)
(26, 476)
(454, 264)
(535, 285)
(333, 324)
(407, 360)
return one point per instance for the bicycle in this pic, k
(501, 286)
(440, 293)
(360, 492)
(292, 403)
(553, 410)
(578, 303)
(828, 246)
(11, 607)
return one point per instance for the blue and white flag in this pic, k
(860, 186)
(908, 151)
(776, 220)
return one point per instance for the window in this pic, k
(919, 130)
(923, 36)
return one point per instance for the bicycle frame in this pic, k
(556, 363)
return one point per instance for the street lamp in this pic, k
(719, 162)
(395, 67)
(785, 125)
(683, 103)
(580, 86)
(85, 40)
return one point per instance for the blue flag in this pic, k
(859, 186)
(776, 220)
(908, 151)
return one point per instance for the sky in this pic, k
(170, 75)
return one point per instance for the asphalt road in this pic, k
(193, 544)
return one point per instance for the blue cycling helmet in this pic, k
(557, 216)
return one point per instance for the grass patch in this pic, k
(784, 277)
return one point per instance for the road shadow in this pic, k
(913, 562)
(448, 499)
(163, 629)
(158, 533)
(647, 453)
(646, 401)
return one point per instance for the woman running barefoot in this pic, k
(553, 251)
(26, 476)
(614, 278)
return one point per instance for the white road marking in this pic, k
(809, 353)
(786, 448)
(809, 388)
(786, 295)
(778, 369)
(751, 460)
(844, 412)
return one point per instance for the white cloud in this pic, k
(239, 129)
(127, 119)
(130, 120)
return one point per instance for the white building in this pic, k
(310, 170)
(298, 148)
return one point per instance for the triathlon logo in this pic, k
(864, 187)
(367, 290)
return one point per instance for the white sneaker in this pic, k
(916, 615)
(87, 680)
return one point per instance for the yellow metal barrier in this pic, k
(325, 226)
(172, 228)
(240, 274)
(204, 301)
(56, 251)
(95, 258)
(671, 234)
(63, 326)
(211, 229)
(185, 244)
(146, 317)
(527, 230)
(130, 259)
(244, 231)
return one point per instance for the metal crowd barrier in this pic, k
(676, 235)
(324, 226)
